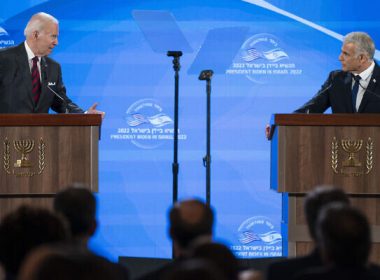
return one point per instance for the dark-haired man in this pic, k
(344, 238)
(315, 201)
(78, 205)
(191, 224)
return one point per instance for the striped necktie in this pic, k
(36, 83)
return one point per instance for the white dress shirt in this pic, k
(31, 55)
(365, 78)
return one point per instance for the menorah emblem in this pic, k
(351, 147)
(24, 147)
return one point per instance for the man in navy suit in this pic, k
(31, 82)
(338, 91)
(315, 201)
(341, 92)
(344, 237)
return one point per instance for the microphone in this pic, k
(333, 75)
(306, 107)
(366, 88)
(60, 97)
(174, 53)
(205, 75)
(369, 91)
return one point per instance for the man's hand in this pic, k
(92, 110)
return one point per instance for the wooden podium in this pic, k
(315, 149)
(43, 153)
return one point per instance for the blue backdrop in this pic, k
(268, 57)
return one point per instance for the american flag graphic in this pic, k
(136, 119)
(248, 237)
(252, 54)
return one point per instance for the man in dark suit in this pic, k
(78, 205)
(344, 235)
(191, 224)
(354, 89)
(315, 201)
(25, 229)
(30, 81)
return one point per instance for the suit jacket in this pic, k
(288, 269)
(336, 93)
(16, 85)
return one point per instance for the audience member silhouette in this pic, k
(25, 229)
(315, 201)
(190, 224)
(78, 205)
(344, 238)
(226, 262)
(68, 263)
(220, 255)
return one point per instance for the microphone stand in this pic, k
(206, 75)
(175, 166)
(44, 75)
(61, 98)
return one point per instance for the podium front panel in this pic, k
(343, 156)
(40, 160)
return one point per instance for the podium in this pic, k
(43, 153)
(315, 149)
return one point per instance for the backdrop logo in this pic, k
(5, 41)
(147, 125)
(261, 58)
(258, 237)
(158, 120)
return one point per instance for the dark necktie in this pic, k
(36, 83)
(355, 90)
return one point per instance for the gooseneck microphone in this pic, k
(367, 90)
(44, 66)
(333, 75)
(307, 107)
(60, 97)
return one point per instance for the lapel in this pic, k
(375, 78)
(44, 81)
(347, 85)
(23, 63)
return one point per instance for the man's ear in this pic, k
(363, 58)
(35, 34)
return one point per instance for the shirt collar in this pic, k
(29, 52)
(367, 72)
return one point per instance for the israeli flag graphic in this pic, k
(275, 55)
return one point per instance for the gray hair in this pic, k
(37, 23)
(363, 42)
